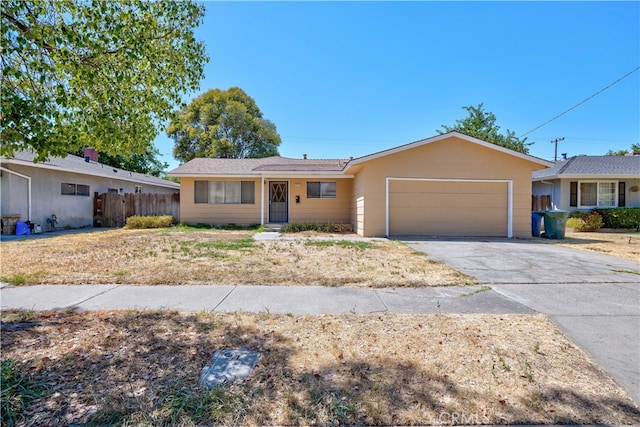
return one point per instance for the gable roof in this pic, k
(75, 164)
(445, 136)
(258, 167)
(592, 167)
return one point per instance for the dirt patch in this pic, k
(218, 257)
(141, 368)
(623, 244)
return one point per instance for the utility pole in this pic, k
(555, 154)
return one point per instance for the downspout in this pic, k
(28, 178)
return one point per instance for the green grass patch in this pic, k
(17, 390)
(23, 279)
(342, 243)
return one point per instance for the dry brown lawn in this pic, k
(140, 368)
(178, 256)
(621, 244)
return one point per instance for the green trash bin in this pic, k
(555, 224)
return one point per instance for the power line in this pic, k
(581, 102)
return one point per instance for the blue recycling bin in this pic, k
(536, 220)
(22, 229)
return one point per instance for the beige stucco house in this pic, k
(447, 185)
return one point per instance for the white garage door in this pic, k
(431, 207)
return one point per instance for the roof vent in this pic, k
(87, 159)
(304, 156)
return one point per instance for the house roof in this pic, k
(78, 165)
(257, 167)
(592, 167)
(445, 136)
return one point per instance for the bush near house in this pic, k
(581, 221)
(324, 227)
(620, 217)
(149, 221)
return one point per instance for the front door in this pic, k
(278, 201)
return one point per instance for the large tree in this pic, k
(481, 124)
(222, 123)
(107, 74)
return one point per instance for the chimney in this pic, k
(90, 154)
(564, 156)
(304, 156)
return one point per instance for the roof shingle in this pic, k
(592, 165)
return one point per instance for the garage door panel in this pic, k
(448, 208)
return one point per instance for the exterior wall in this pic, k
(450, 158)
(336, 211)
(554, 189)
(46, 197)
(562, 191)
(217, 214)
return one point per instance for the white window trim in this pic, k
(598, 182)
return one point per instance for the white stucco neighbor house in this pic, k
(65, 187)
(582, 183)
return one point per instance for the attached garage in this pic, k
(449, 207)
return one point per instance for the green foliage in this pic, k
(149, 221)
(105, 74)
(620, 217)
(635, 149)
(146, 163)
(17, 391)
(325, 227)
(482, 125)
(222, 123)
(581, 221)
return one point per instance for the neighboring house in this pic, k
(447, 185)
(587, 182)
(65, 187)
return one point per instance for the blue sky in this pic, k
(341, 79)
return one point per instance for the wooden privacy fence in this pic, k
(113, 209)
(540, 203)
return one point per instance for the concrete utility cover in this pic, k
(228, 365)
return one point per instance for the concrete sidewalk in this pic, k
(270, 299)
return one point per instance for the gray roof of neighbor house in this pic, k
(78, 165)
(258, 167)
(592, 167)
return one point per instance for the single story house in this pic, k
(448, 185)
(65, 187)
(582, 183)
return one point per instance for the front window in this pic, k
(224, 192)
(598, 194)
(321, 190)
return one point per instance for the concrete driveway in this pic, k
(594, 299)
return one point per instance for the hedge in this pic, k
(149, 221)
(620, 217)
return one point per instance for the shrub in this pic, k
(325, 227)
(149, 221)
(587, 221)
(620, 217)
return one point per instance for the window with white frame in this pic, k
(321, 190)
(224, 192)
(597, 194)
